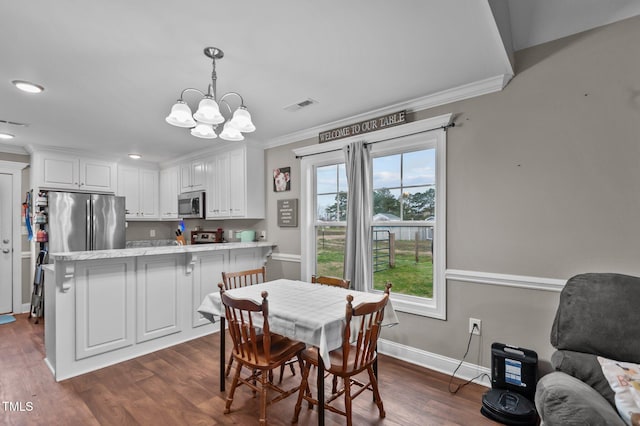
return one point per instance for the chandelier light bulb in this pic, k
(204, 131)
(181, 115)
(242, 120)
(230, 133)
(208, 112)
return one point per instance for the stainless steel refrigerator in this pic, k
(80, 222)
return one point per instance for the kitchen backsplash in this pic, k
(137, 231)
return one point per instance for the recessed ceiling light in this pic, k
(27, 86)
(135, 156)
(6, 136)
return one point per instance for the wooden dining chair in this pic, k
(245, 278)
(327, 280)
(353, 357)
(336, 282)
(256, 349)
(238, 279)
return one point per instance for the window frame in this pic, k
(408, 137)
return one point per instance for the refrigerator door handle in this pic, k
(89, 227)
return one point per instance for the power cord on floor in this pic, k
(460, 386)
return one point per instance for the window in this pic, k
(403, 218)
(408, 217)
(330, 218)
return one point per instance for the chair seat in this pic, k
(311, 355)
(282, 349)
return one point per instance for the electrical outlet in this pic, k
(262, 235)
(478, 326)
(152, 233)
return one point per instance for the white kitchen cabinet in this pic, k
(159, 297)
(52, 170)
(206, 273)
(236, 184)
(121, 304)
(104, 306)
(169, 181)
(217, 199)
(193, 176)
(140, 188)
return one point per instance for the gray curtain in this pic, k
(357, 250)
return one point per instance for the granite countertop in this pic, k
(152, 251)
(150, 243)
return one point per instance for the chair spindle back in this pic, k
(370, 316)
(238, 279)
(246, 328)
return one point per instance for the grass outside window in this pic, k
(409, 268)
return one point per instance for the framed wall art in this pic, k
(282, 179)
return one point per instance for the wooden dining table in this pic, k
(310, 313)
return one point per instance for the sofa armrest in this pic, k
(584, 367)
(563, 400)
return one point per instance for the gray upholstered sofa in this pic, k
(598, 314)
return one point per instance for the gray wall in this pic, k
(543, 181)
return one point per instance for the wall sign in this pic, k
(288, 213)
(366, 126)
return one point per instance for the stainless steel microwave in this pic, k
(191, 204)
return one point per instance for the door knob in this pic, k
(5, 250)
(5, 241)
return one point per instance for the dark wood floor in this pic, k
(179, 386)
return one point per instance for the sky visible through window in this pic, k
(330, 181)
(419, 168)
(409, 173)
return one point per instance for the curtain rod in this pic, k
(445, 127)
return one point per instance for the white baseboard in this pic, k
(435, 362)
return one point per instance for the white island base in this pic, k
(108, 306)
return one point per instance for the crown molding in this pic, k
(222, 146)
(13, 166)
(466, 91)
(13, 149)
(32, 148)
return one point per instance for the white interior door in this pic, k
(6, 244)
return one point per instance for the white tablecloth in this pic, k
(311, 313)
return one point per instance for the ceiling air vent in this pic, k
(299, 105)
(13, 123)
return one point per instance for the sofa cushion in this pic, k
(586, 368)
(624, 379)
(598, 314)
(562, 400)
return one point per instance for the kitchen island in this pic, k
(107, 306)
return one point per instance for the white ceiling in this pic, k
(112, 69)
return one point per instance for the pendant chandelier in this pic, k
(208, 117)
